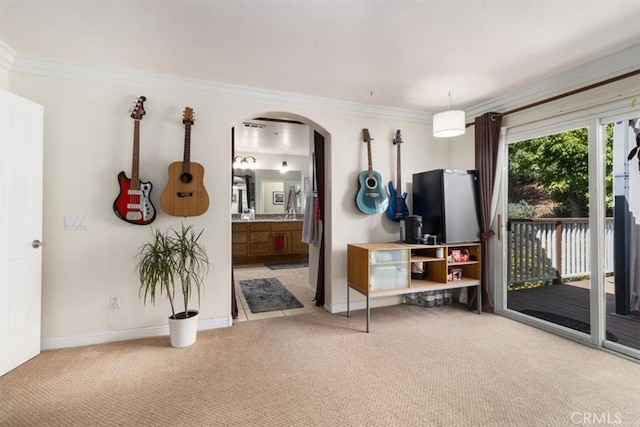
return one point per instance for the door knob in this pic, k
(37, 243)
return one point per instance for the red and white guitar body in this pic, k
(134, 206)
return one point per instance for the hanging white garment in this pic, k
(309, 226)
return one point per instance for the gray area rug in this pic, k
(285, 265)
(267, 295)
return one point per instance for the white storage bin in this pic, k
(381, 257)
(389, 277)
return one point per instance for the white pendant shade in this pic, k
(449, 123)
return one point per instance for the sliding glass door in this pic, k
(549, 271)
(573, 224)
(621, 311)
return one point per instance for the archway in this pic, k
(318, 138)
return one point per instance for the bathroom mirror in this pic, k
(269, 191)
(242, 192)
(278, 192)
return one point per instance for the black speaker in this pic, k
(447, 201)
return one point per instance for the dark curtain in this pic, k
(318, 148)
(234, 303)
(487, 138)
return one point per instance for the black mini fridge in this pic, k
(447, 201)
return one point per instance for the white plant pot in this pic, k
(183, 331)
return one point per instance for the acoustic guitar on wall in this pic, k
(371, 198)
(185, 194)
(397, 209)
(133, 204)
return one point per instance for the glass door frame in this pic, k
(602, 122)
(595, 122)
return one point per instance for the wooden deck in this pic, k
(572, 300)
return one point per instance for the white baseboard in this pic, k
(129, 334)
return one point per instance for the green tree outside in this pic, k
(559, 164)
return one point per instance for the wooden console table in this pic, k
(384, 269)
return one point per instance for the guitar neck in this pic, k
(369, 159)
(399, 183)
(186, 161)
(135, 177)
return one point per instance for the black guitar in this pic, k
(397, 208)
(371, 198)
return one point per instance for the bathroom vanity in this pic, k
(267, 240)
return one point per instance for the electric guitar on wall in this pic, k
(397, 209)
(133, 204)
(185, 194)
(371, 198)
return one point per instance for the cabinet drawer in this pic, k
(259, 236)
(235, 227)
(286, 226)
(260, 227)
(259, 248)
(239, 249)
(239, 237)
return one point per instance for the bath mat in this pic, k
(268, 294)
(566, 322)
(285, 265)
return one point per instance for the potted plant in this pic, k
(174, 259)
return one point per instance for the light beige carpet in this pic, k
(418, 367)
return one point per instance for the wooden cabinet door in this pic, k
(281, 242)
(239, 239)
(297, 245)
(259, 243)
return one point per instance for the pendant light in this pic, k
(449, 123)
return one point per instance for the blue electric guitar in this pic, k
(397, 208)
(371, 198)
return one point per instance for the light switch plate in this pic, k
(74, 222)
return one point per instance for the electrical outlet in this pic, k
(114, 302)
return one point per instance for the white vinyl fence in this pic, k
(553, 249)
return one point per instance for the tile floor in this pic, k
(296, 280)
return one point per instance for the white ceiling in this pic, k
(400, 54)
(275, 137)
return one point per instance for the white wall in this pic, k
(88, 140)
(4, 78)
(7, 56)
(462, 150)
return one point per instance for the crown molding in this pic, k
(55, 68)
(7, 55)
(615, 64)
(612, 65)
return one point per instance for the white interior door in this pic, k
(21, 143)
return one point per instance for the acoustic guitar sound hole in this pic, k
(186, 178)
(371, 183)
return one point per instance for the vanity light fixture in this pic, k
(285, 167)
(240, 162)
(449, 123)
